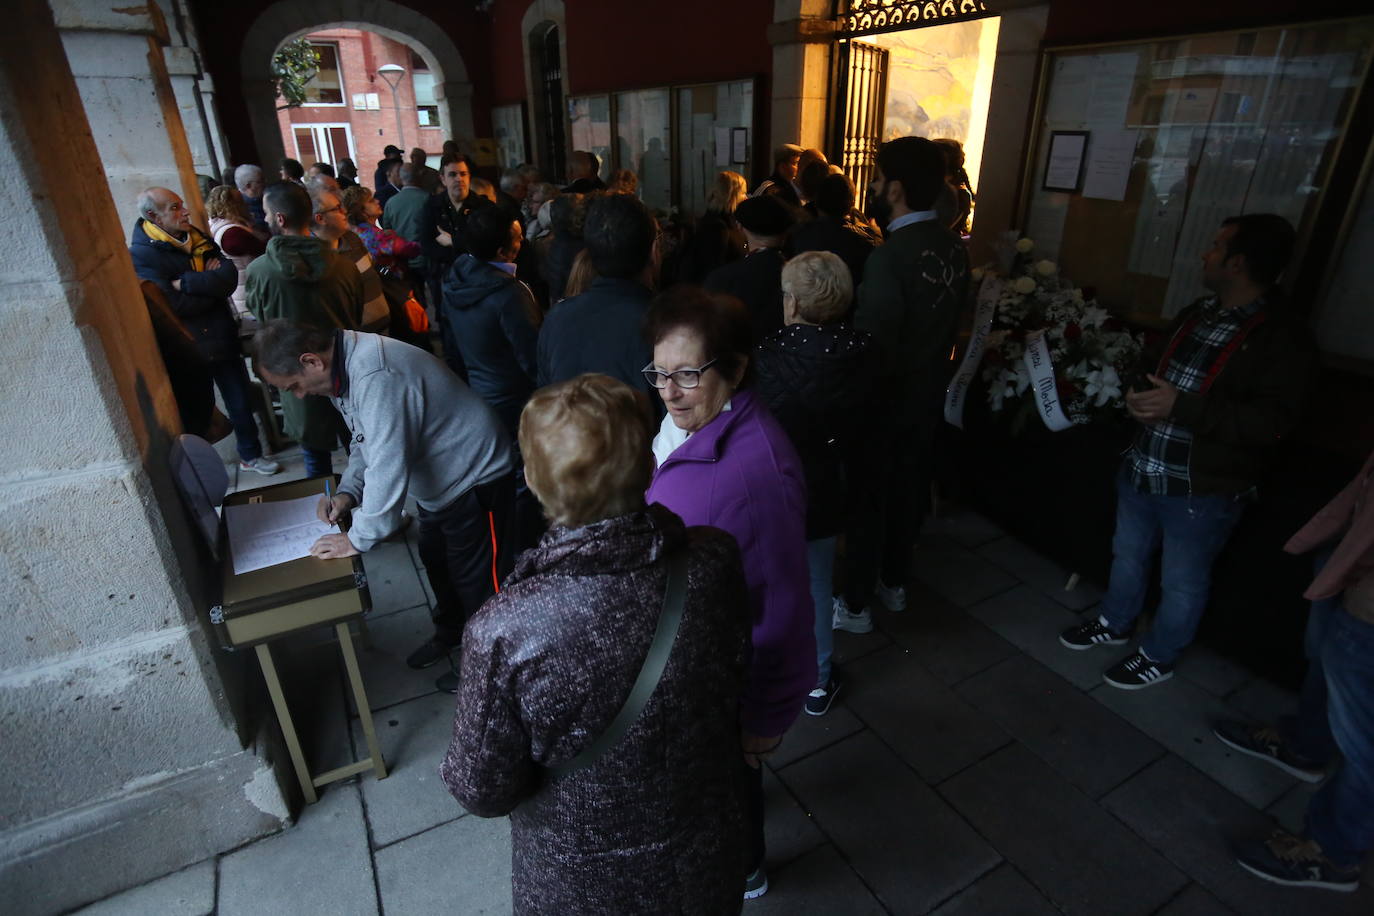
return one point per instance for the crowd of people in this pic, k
(657, 466)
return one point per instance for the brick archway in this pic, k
(291, 19)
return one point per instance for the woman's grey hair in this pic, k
(821, 284)
(245, 173)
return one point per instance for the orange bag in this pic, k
(419, 318)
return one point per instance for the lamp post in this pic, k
(392, 74)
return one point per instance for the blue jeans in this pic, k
(1336, 712)
(319, 462)
(1191, 530)
(231, 378)
(820, 557)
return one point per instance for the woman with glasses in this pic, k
(724, 461)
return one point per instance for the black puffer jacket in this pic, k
(820, 382)
(202, 303)
(487, 323)
(654, 825)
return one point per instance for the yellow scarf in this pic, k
(195, 244)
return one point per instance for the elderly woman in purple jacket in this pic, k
(724, 461)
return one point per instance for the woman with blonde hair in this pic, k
(625, 805)
(231, 228)
(716, 238)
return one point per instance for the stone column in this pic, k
(120, 757)
(802, 37)
(183, 70)
(455, 111)
(116, 54)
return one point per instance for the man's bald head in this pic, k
(165, 209)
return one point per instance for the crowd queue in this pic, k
(637, 452)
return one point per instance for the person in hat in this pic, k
(756, 280)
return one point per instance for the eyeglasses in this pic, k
(329, 210)
(683, 378)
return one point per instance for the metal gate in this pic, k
(863, 78)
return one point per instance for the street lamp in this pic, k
(392, 74)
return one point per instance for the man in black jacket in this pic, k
(384, 167)
(836, 228)
(197, 281)
(1225, 384)
(445, 216)
(756, 280)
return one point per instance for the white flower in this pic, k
(1076, 294)
(1024, 285)
(1093, 317)
(1046, 268)
(1104, 386)
(1025, 246)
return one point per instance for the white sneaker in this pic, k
(261, 465)
(843, 619)
(894, 598)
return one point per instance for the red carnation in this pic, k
(1072, 331)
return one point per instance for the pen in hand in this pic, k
(329, 497)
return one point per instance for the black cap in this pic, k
(388, 151)
(764, 215)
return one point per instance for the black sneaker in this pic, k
(431, 653)
(1136, 672)
(1266, 743)
(1092, 633)
(448, 681)
(756, 885)
(1296, 862)
(819, 700)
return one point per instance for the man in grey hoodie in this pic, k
(419, 431)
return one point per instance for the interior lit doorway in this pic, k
(933, 81)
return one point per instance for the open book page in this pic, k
(267, 533)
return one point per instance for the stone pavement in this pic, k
(972, 765)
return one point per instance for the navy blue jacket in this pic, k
(598, 331)
(487, 323)
(202, 303)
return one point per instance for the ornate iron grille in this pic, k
(866, 17)
(865, 95)
(552, 146)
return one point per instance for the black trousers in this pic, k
(468, 547)
(754, 845)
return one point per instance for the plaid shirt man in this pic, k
(1158, 461)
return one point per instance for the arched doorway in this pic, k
(545, 31)
(286, 20)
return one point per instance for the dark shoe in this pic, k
(1136, 672)
(1092, 633)
(1266, 743)
(756, 885)
(448, 681)
(819, 700)
(1297, 862)
(432, 652)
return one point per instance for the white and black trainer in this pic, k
(1092, 633)
(1137, 671)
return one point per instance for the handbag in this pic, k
(669, 620)
(415, 312)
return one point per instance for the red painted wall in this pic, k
(1074, 21)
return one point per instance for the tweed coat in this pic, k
(654, 825)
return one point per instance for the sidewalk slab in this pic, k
(1081, 740)
(963, 526)
(189, 892)
(459, 867)
(1260, 700)
(1193, 822)
(1179, 715)
(819, 883)
(891, 694)
(811, 733)
(392, 577)
(1194, 901)
(902, 839)
(1031, 622)
(958, 574)
(1002, 890)
(788, 830)
(414, 736)
(386, 676)
(1212, 671)
(321, 865)
(1082, 859)
(943, 638)
(1041, 573)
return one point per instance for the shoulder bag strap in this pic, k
(669, 619)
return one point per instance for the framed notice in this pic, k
(1064, 165)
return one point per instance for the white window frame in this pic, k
(343, 84)
(320, 131)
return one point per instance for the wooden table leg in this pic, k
(355, 680)
(293, 744)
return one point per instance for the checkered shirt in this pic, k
(1158, 461)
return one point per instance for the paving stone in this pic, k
(811, 733)
(963, 526)
(1179, 715)
(321, 865)
(902, 839)
(311, 670)
(1261, 700)
(818, 884)
(1290, 811)
(393, 578)
(189, 892)
(943, 638)
(414, 736)
(958, 574)
(386, 676)
(1032, 623)
(850, 647)
(1087, 744)
(788, 830)
(1079, 857)
(1003, 890)
(921, 719)
(460, 867)
(1041, 573)
(1194, 901)
(1212, 671)
(1193, 822)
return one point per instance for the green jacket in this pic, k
(301, 279)
(913, 293)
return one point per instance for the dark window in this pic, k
(549, 100)
(326, 86)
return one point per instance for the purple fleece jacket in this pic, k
(740, 473)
